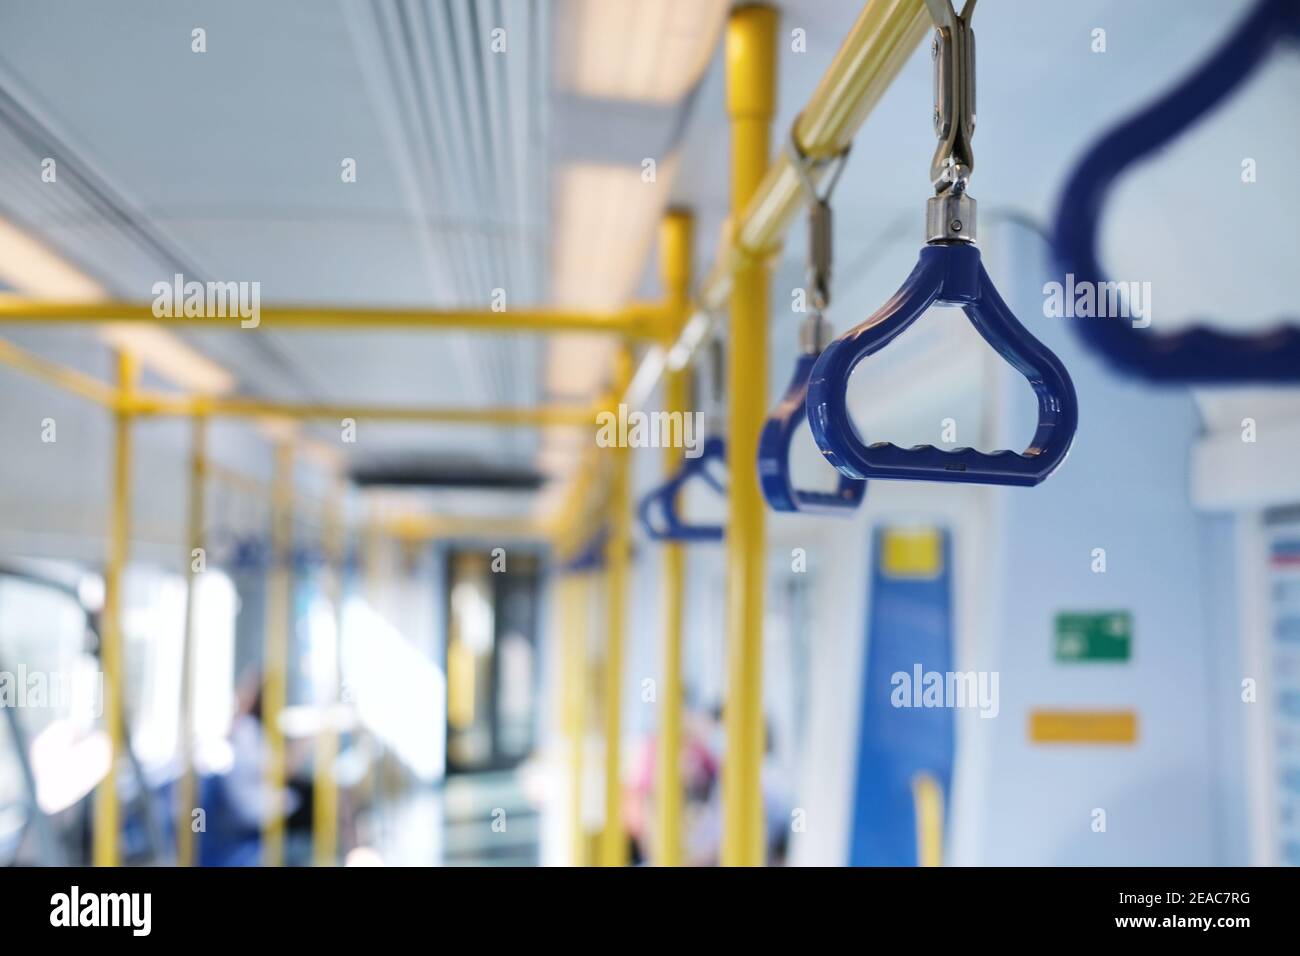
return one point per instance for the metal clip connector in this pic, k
(950, 215)
(815, 333)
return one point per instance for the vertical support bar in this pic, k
(105, 849)
(196, 561)
(325, 791)
(574, 617)
(373, 569)
(275, 667)
(751, 99)
(927, 803)
(675, 259)
(613, 839)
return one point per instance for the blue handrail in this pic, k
(774, 455)
(662, 502)
(947, 273)
(1199, 354)
(591, 556)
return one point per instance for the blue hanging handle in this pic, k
(774, 455)
(250, 553)
(948, 274)
(307, 559)
(591, 556)
(1200, 354)
(662, 502)
(778, 432)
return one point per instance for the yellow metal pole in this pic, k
(105, 850)
(885, 35)
(195, 561)
(155, 403)
(279, 618)
(927, 802)
(144, 403)
(569, 523)
(414, 527)
(638, 319)
(751, 100)
(325, 791)
(574, 620)
(567, 528)
(374, 575)
(70, 380)
(675, 256)
(613, 839)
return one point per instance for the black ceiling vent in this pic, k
(419, 474)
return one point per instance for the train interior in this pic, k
(365, 570)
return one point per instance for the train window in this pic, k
(213, 666)
(153, 625)
(52, 693)
(397, 691)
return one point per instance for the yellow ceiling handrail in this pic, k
(147, 404)
(60, 376)
(638, 320)
(432, 527)
(872, 55)
(868, 61)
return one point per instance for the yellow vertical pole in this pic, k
(196, 561)
(675, 255)
(373, 570)
(574, 613)
(613, 840)
(105, 850)
(927, 803)
(279, 617)
(751, 100)
(325, 791)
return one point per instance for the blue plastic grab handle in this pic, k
(591, 556)
(250, 553)
(949, 274)
(774, 455)
(1199, 354)
(665, 499)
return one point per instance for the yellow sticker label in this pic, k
(1083, 727)
(911, 553)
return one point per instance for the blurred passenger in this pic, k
(703, 749)
(239, 802)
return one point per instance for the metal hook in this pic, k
(806, 166)
(714, 375)
(950, 214)
(815, 332)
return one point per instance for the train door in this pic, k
(492, 669)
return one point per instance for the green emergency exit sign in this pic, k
(1103, 636)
